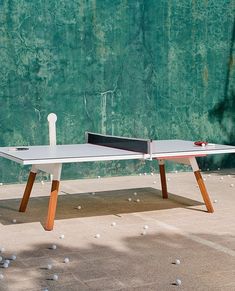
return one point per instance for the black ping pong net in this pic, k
(124, 143)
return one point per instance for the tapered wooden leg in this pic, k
(52, 205)
(27, 191)
(204, 193)
(163, 180)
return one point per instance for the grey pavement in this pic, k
(116, 244)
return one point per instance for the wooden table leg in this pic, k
(52, 205)
(163, 181)
(204, 192)
(27, 191)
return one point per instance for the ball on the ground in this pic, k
(231, 185)
(49, 266)
(62, 236)
(55, 277)
(154, 182)
(13, 257)
(66, 260)
(113, 223)
(79, 207)
(129, 199)
(13, 220)
(215, 201)
(178, 282)
(137, 200)
(146, 226)
(97, 235)
(5, 265)
(177, 262)
(135, 193)
(54, 247)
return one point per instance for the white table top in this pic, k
(89, 152)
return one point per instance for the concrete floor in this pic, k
(121, 258)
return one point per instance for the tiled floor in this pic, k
(125, 256)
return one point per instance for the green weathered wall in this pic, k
(147, 68)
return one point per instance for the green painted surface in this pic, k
(159, 69)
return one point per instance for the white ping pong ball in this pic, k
(177, 262)
(49, 267)
(113, 223)
(203, 144)
(13, 220)
(146, 226)
(55, 277)
(13, 257)
(97, 235)
(93, 193)
(79, 207)
(42, 182)
(54, 247)
(154, 182)
(52, 117)
(62, 236)
(137, 200)
(168, 179)
(218, 169)
(5, 265)
(66, 260)
(129, 199)
(98, 177)
(151, 174)
(178, 282)
(215, 201)
(221, 178)
(1, 184)
(231, 185)
(135, 193)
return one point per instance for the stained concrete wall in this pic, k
(158, 69)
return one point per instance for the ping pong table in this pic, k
(98, 147)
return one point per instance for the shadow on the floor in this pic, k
(143, 263)
(113, 202)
